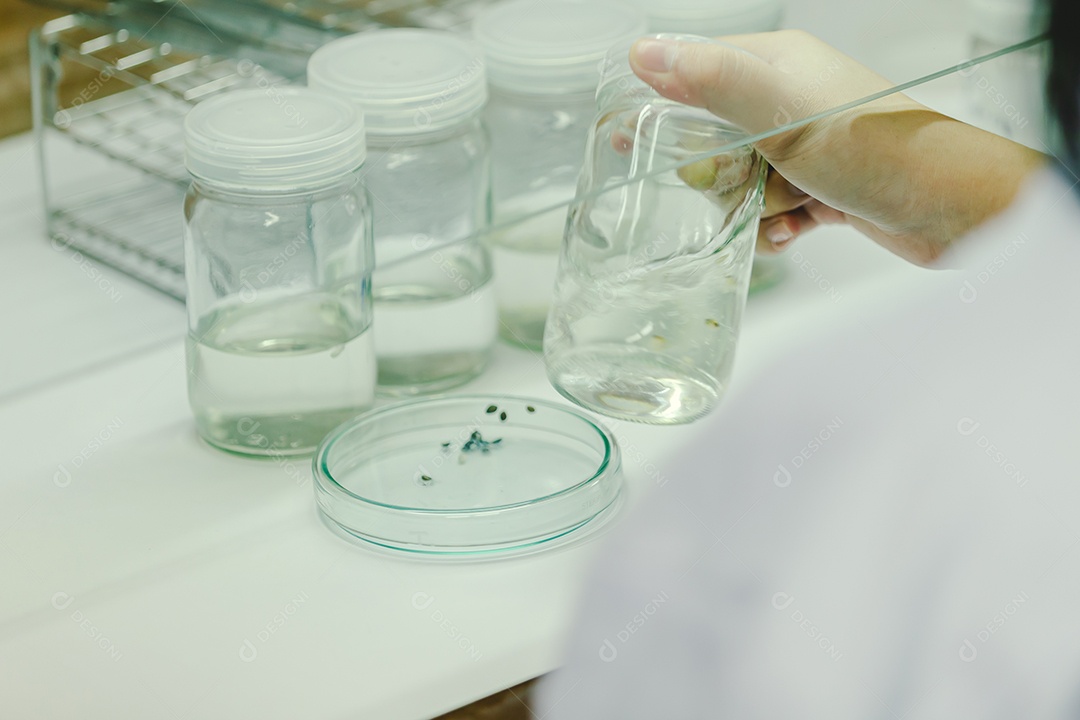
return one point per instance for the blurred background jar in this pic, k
(654, 272)
(1003, 94)
(542, 60)
(712, 17)
(422, 92)
(278, 261)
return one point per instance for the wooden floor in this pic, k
(510, 704)
(17, 17)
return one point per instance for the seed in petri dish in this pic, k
(712, 323)
(502, 416)
(530, 408)
(491, 409)
(425, 479)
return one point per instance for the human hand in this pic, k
(911, 179)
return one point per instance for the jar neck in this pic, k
(208, 188)
(376, 140)
(522, 97)
(664, 126)
(627, 92)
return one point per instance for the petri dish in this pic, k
(468, 475)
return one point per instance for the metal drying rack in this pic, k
(113, 82)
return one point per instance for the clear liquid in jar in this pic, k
(274, 378)
(435, 316)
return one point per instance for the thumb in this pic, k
(729, 81)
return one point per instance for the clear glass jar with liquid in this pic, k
(543, 60)
(278, 262)
(655, 266)
(428, 172)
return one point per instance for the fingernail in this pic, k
(778, 234)
(655, 55)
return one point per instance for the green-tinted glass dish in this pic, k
(468, 475)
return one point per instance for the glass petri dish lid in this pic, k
(468, 475)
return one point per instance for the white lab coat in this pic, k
(886, 526)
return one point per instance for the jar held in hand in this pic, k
(654, 272)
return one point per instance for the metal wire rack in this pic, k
(136, 229)
(338, 16)
(357, 15)
(116, 79)
(122, 95)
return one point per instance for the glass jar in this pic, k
(428, 173)
(709, 17)
(278, 261)
(542, 58)
(654, 272)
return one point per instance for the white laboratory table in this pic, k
(147, 575)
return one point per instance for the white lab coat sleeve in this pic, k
(886, 525)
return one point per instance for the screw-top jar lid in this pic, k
(407, 82)
(712, 17)
(547, 47)
(273, 139)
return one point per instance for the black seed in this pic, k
(425, 478)
(492, 408)
(502, 416)
(530, 408)
(446, 444)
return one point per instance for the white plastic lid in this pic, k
(273, 139)
(547, 47)
(1005, 22)
(407, 82)
(712, 17)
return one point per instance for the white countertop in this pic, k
(148, 575)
